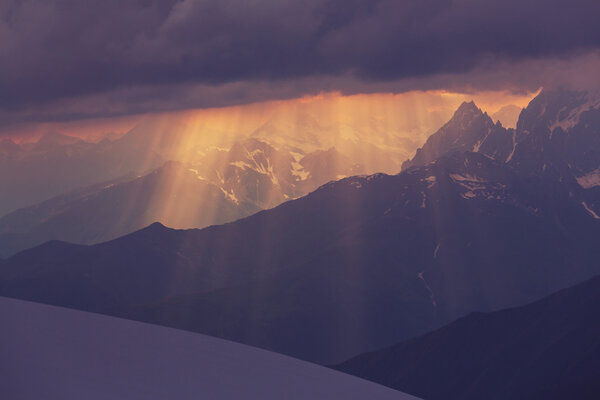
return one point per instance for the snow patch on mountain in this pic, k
(512, 153)
(477, 145)
(432, 180)
(477, 187)
(572, 119)
(297, 168)
(230, 195)
(241, 164)
(465, 178)
(431, 295)
(195, 171)
(217, 148)
(589, 210)
(469, 182)
(590, 179)
(220, 176)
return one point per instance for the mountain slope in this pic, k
(545, 350)
(380, 258)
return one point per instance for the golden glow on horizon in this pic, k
(416, 111)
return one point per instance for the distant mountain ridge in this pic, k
(224, 186)
(58, 164)
(544, 350)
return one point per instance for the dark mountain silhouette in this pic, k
(545, 350)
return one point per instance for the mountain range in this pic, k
(57, 164)
(475, 222)
(86, 193)
(222, 186)
(556, 136)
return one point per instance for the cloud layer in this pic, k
(61, 59)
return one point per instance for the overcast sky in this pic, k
(62, 60)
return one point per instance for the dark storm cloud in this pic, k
(53, 50)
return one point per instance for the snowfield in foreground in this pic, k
(55, 353)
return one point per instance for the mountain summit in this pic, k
(466, 109)
(470, 129)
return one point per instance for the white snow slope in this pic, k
(52, 353)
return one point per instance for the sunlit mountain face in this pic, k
(407, 191)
